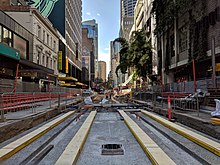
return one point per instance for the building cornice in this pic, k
(45, 21)
(32, 10)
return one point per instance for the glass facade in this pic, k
(7, 37)
(127, 7)
(21, 45)
(92, 27)
(13, 40)
(92, 30)
(16, 36)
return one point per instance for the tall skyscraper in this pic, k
(127, 17)
(88, 67)
(127, 7)
(92, 27)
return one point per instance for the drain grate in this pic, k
(112, 149)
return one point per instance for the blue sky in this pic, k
(107, 15)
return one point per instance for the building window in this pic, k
(183, 39)
(51, 63)
(47, 61)
(7, 37)
(54, 65)
(54, 45)
(51, 40)
(39, 32)
(21, 45)
(38, 57)
(172, 45)
(43, 36)
(43, 60)
(48, 38)
(77, 51)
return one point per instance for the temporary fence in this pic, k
(35, 101)
(187, 86)
(33, 97)
(178, 100)
(7, 86)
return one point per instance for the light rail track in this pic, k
(143, 139)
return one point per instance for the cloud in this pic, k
(98, 14)
(88, 13)
(107, 49)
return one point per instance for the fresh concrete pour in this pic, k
(109, 129)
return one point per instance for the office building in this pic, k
(102, 71)
(66, 17)
(92, 27)
(88, 67)
(126, 17)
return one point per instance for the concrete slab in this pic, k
(201, 123)
(26, 119)
(205, 142)
(107, 129)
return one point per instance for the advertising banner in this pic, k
(60, 60)
(67, 65)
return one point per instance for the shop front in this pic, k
(9, 59)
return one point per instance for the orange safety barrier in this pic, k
(21, 101)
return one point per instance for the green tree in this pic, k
(166, 11)
(124, 55)
(137, 53)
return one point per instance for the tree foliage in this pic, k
(124, 51)
(166, 11)
(136, 53)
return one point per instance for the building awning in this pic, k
(67, 85)
(81, 84)
(28, 65)
(36, 73)
(67, 79)
(9, 52)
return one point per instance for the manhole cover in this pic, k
(112, 149)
